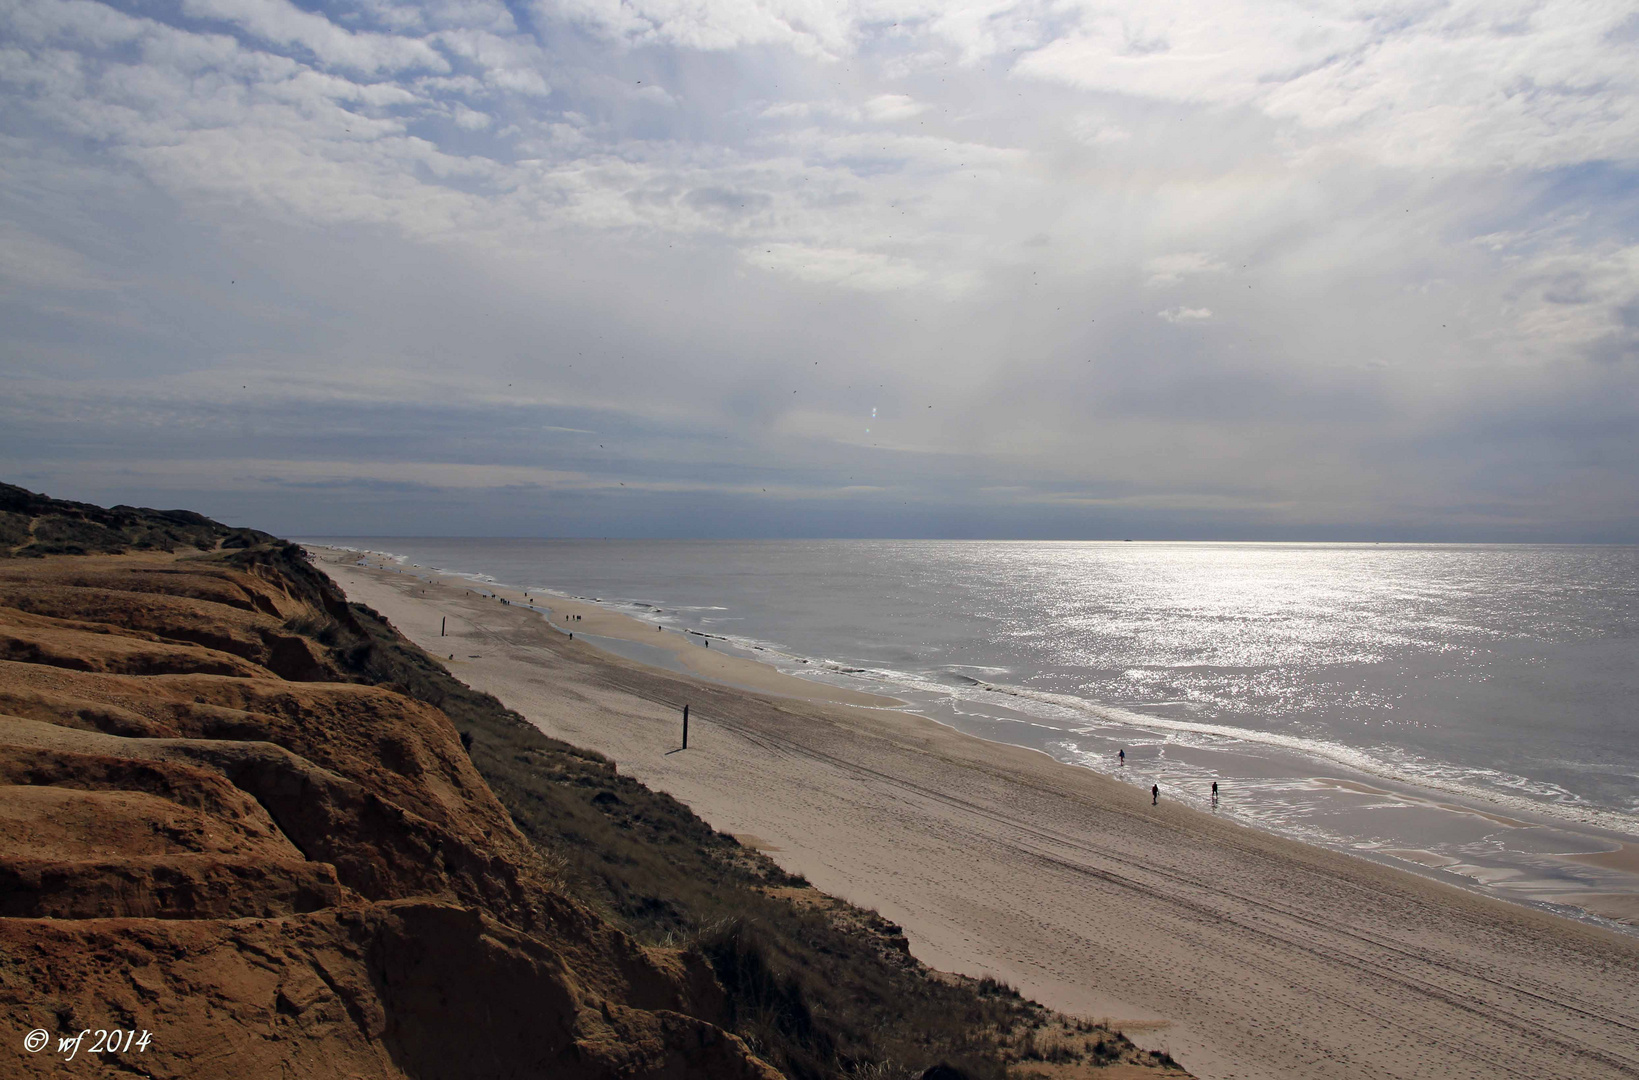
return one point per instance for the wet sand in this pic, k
(1245, 954)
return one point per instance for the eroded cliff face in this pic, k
(206, 833)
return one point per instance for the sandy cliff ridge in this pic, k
(208, 833)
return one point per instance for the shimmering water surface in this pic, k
(1472, 711)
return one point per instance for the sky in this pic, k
(1326, 269)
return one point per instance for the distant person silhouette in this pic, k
(1121, 756)
(1155, 794)
(1214, 791)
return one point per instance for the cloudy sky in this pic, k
(1055, 268)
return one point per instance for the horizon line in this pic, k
(973, 540)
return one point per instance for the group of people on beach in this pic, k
(1155, 789)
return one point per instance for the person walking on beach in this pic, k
(1155, 794)
(1214, 793)
(1121, 756)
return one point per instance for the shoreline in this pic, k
(1239, 950)
(590, 619)
(1452, 837)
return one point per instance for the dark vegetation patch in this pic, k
(34, 525)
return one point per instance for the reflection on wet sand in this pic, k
(1523, 860)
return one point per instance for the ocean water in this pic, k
(1468, 711)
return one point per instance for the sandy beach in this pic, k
(1244, 954)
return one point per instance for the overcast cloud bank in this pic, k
(731, 267)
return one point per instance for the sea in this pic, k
(1468, 712)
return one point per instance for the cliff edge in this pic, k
(208, 832)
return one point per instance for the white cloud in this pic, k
(890, 107)
(1172, 269)
(37, 262)
(509, 63)
(868, 270)
(800, 110)
(1185, 314)
(470, 119)
(1472, 83)
(283, 23)
(1098, 131)
(811, 27)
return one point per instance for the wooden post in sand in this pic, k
(685, 727)
(441, 623)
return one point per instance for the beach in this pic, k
(1242, 953)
